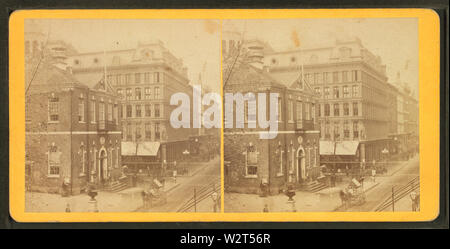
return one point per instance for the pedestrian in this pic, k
(413, 195)
(343, 196)
(68, 208)
(266, 208)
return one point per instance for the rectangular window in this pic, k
(252, 161)
(291, 110)
(346, 130)
(346, 109)
(138, 111)
(317, 91)
(299, 110)
(336, 92)
(355, 90)
(54, 161)
(355, 109)
(116, 114)
(335, 77)
(101, 112)
(127, 79)
(319, 110)
(118, 79)
(93, 116)
(355, 129)
(327, 130)
(129, 132)
(157, 131)
(326, 92)
(345, 76)
(120, 92)
(129, 94)
(336, 131)
(81, 111)
(129, 111)
(147, 78)
(336, 110)
(157, 111)
(327, 110)
(148, 110)
(308, 111)
(148, 93)
(110, 112)
(346, 92)
(148, 133)
(355, 75)
(138, 132)
(157, 93)
(53, 109)
(137, 92)
(157, 77)
(137, 78)
(279, 110)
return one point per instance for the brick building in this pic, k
(355, 101)
(72, 128)
(293, 155)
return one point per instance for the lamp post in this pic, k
(186, 154)
(385, 153)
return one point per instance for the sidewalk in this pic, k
(106, 202)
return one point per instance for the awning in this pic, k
(347, 148)
(326, 148)
(140, 149)
(342, 148)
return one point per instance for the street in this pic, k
(383, 190)
(205, 176)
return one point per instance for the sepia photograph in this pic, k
(321, 115)
(102, 130)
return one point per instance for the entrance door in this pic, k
(301, 168)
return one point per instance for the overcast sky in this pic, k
(196, 42)
(395, 40)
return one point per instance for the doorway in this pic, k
(301, 168)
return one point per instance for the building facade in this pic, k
(145, 77)
(292, 157)
(73, 131)
(354, 99)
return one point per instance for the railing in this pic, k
(303, 124)
(106, 125)
(398, 193)
(200, 195)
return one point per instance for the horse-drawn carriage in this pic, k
(353, 194)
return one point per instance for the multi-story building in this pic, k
(354, 98)
(292, 157)
(145, 77)
(73, 132)
(405, 139)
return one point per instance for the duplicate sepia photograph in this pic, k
(325, 115)
(101, 131)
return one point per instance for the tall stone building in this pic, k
(353, 109)
(145, 77)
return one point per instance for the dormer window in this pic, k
(293, 59)
(76, 62)
(274, 61)
(96, 60)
